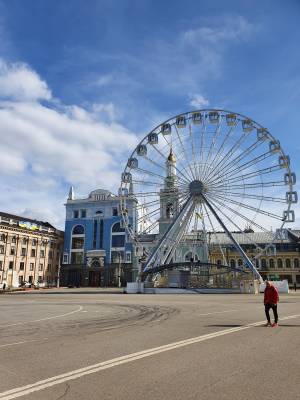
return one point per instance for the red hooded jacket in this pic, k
(271, 295)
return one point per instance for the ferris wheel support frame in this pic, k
(246, 259)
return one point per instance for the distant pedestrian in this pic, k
(4, 286)
(271, 299)
(295, 286)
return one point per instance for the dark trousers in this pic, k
(267, 311)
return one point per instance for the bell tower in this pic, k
(169, 204)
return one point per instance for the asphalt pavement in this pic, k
(95, 344)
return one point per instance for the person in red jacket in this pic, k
(271, 299)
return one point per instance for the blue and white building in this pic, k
(97, 249)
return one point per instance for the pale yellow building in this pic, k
(30, 252)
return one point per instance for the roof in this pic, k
(22, 218)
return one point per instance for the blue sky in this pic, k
(82, 81)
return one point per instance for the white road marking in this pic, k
(218, 312)
(78, 373)
(14, 344)
(44, 319)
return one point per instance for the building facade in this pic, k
(30, 251)
(97, 250)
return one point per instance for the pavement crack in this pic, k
(68, 387)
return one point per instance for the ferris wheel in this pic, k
(203, 173)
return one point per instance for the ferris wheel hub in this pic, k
(196, 188)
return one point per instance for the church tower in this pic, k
(169, 203)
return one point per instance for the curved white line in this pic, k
(43, 319)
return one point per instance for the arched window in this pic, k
(271, 263)
(263, 263)
(117, 228)
(99, 212)
(232, 263)
(288, 263)
(296, 262)
(279, 263)
(170, 210)
(78, 230)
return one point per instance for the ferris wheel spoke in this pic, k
(211, 147)
(236, 213)
(151, 227)
(184, 152)
(150, 173)
(241, 156)
(144, 217)
(181, 177)
(147, 183)
(193, 148)
(215, 234)
(219, 152)
(143, 205)
(253, 185)
(176, 240)
(250, 196)
(233, 178)
(248, 207)
(185, 176)
(248, 164)
(230, 152)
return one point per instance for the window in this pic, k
(288, 263)
(1, 265)
(117, 228)
(50, 254)
(31, 266)
(21, 266)
(21, 280)
(2, 238)
(49, 267)
(101, 234)
(75, 214)
(41, 267)
(77, 243)
(65, 259)
(12, 251)
(264, 263)
(40, 279)
(118, 240)
(83, 213)
(32, 252)
(13, 239)
(30, 279)
(78, 230)
(240, 262)
(99, 212)
(115, 212)
(42, 253)
(34, 241)
(24, 240)
(128, 257)
(271, 263)
(23, 251)
(279, 263)
(232, 263)
(77, 258)
(11, 265)
(1, 249)
(296, 262)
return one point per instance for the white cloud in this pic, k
(46, 148)
(19, 82)
(198, 101)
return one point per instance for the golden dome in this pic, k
(172, 157)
